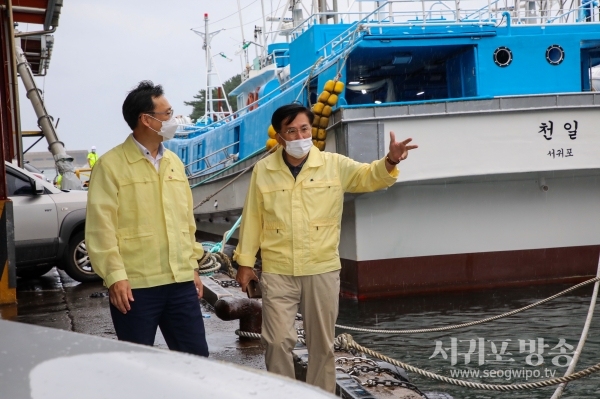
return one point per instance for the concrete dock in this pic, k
(56, 301)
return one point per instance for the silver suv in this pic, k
(49, 227)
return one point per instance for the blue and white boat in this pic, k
(499, 95)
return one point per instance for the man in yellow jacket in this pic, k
(92, 157)
(140, 230)
(293, 213)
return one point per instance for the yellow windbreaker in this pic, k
(296, 223)
(140, 224)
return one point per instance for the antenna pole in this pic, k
(212, 78)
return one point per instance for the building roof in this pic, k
(37, 46)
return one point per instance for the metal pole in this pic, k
(335, 12)
(264, 29)
(322, 10)
(8, 277)
(208, 106)
(243, 39)
(16, 142)
(63, 161)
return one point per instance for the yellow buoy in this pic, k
(271, 143)
(320, 145)
(318, 108)
(314, 132)
(339, 87)
(326, 111)
(314, 141)
(323, 122)
(332, 99)
(321, 134)
(329, 86)
(272, 132)
(316, 120)
(324, 97)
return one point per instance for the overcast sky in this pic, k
(103, 48)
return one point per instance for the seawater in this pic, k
(530, 346)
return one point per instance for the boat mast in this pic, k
(264, 29)
(244, 44)
(212, 79)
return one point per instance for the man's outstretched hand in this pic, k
(399, 149)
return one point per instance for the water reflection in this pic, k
(479, 349)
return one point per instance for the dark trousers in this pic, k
(172, 307)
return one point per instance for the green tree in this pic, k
(200, 99)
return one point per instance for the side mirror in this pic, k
(38, 187)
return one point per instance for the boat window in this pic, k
(555, 54)
(503, 56)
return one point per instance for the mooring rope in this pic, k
(345, 342)
(472, 323)
(584, 333)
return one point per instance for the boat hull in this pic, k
(382, 278)
(471, 235)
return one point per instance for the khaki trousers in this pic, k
(317, 299)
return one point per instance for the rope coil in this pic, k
(211, 262)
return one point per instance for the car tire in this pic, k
(77, 261)
(36, 272)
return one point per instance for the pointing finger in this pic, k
(392, 137)
(405, 142)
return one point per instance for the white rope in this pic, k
(588, 321)
(345, 342)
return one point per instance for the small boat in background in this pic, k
(501, 99)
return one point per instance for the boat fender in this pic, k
(338, 88)
(322, 111)
(321, 134)
(318, 108)
(271, 141)
(323, 122)
(326, 111)
(324, 97)
(332, 100)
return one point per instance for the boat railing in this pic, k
(205, 159)
(489, 14)
(424, 12)
(187, 130)
(482, 10)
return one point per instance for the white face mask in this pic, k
(298, 148)
(168, 129)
